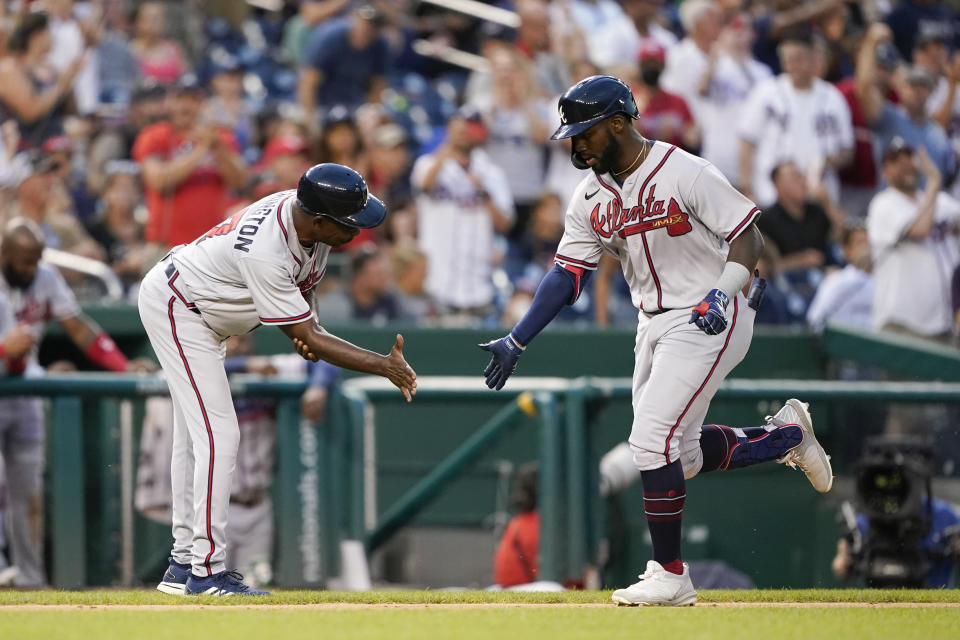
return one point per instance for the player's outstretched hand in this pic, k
(399, 372)
(710, 315)
(503, 362)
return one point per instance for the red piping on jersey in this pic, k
(643, 187)
(733, 325)
(283, 227)
(579, 263)
(188, 305)
(611, 190)
(206, 421)
(646, 247)
(743, 223)
(653, 272)
(302, 316)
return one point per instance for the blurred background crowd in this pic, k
(130, 127)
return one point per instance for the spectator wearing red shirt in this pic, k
(517, 557)
(189, 168)
(876, 62)
(663, 116)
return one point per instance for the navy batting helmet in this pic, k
(338, 192)
(590, 101)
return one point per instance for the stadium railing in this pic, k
(326, 484)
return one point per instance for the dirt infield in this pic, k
(347, 606)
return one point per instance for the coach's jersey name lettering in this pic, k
(247, 231)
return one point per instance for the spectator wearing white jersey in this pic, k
(688, 60)
(913, 241)
(71, 40)
(603, 25)
(846, 296)
(794, 116)
(517, 119)
(550, 71)
(730, 76)
(645, 15)
(463, 200)
(647, 30)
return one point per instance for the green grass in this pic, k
(150, 597)
(483, 624)
(232, 618)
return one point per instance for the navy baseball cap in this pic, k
(189, 83)
(886, 56)
(897, 146)
(338, 192)
(590, 101)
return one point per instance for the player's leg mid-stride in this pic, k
(787, 437)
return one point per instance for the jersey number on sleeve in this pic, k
(224, 227)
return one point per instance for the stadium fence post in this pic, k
(300, 502)
(67, 514)
(578, 479)
(551, 486)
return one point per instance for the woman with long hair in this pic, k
(31, 91)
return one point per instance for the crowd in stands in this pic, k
(129, 127)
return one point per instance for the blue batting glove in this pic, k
(505, 352)
(710, 315)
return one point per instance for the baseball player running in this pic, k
(687, 243)
(258, 267)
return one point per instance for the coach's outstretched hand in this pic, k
(505, 352)
(710, 315)
(399, 372)
(392, 366)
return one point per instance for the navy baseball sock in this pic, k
(725, 448)
(664, 492)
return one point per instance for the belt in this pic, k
(170, 271)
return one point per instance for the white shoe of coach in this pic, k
(808, 455)
(658, 586)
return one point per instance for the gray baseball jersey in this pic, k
(251, 269)
(669, 224)
(47, 298)
(21, 458)
(247, 271)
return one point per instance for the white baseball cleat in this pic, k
(809, 456)
(658, 586)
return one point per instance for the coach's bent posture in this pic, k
(687, 244)
(258, 267)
